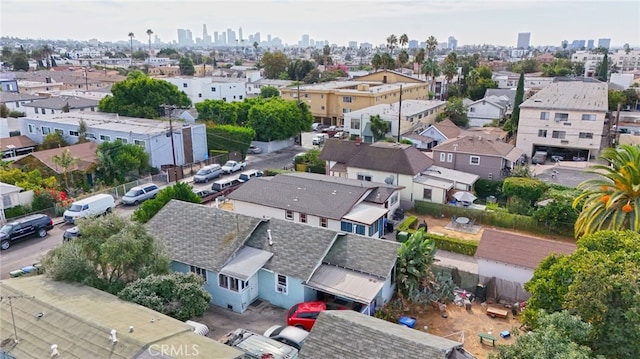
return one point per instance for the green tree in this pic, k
(186, 67)
(615, 97)
(376, 62)
(19, 61)
(149, 33)
(419, 59)
(403, 58)
(141, 96)
(217, 111)
(326, 56)
(611, 200)
(274, 63)
(403, 40)
(456, 111)
(28, 180)
(118, 161)
(559, 213)
(312, 159)
(515, 115)
(177, 295)
(4, 110)
(392, 42)
(388, 62)
(131, 36)
(431, 67)
(66, 161)
(278, 119)
(431, 45)
(415, 257)
(83, 129)
(229, 137)
(379, 127)
(598, 283)
(139, 55)
(53, 140)
(527, 66)
(603, 69)
(180, 191)
(298, 69)
(269, 91)
(529, 189)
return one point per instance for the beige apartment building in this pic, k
(329, 101)
(566, 119)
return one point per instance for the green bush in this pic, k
(16, 114)
(529, 189)
(455, 245)
(485, 188)
(273, 172)
(16, 211)
(409, 223)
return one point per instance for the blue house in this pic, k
(245, 258)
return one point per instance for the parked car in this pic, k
(247, 175)
(70, 234)
(139, 194)
(303, 315)
(254, 150)
(205, 195)
(233, 166)
(34, 225)
(95, 205)
(207, 173)
(289, 335)
(258, 346)
(539, 158)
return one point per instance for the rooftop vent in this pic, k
(269, 236)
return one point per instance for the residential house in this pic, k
(37, 88)
(437, 184)
(338, 204)
(488, 158)
(440, 132)
(189, 142)
(210, 88)
(66, 320)
(15, 101)
(388, 76)
(245, 258)
(623, 61)
(61, 104)
(255, 82)
(567, 118)
(486, 110)
(421, 142)
(12, 196)
(71, 78)
(329, 101)
(545, 58)
(8, 83)
(509, 80)
(164, 71)
(414, 114)
(11, 147)
(347, 334)
(512, 258)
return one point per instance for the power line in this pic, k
(13, 320)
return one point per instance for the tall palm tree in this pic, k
(392, 41)
(403, 58)
(404, 40)
(46, 53)
(431, 67)
(65, 160)
(419, 59)
(326, 52)
(431, 45)
(149, 33)
(131, 36)
(611, 201)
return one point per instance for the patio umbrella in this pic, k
(464, 196)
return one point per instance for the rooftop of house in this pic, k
(519, 250)
(6, 97)
(509, 93)
(208, 79)
(16, 142)
(447, 174)
(409, 108)
(479, 145)
(313, 194)
(388, 157)
(447, 128)
(570, 95)
(380, 88)
(397, 73)
(349, 334)
(68, 76)
(84, 152)
(79, 319)
(59, 103)
(366, 255)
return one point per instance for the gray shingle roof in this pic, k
(349, 334)
(14, 96)
(447, 128)
(314, 194)
(366, 255)
(58, 103)
(297, 249)
(199, 235)
(476, 145)
(509, 93)
(380, 156)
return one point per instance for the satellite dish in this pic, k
(389, 180)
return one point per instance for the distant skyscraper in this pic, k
(256, 38)
(523, 40)
(414, 44)
(216, 39)
(189, 37)
(305, 40)
(452, 43)
(231, 37)
(604, 43)
(182, 37)
(240, 34)
(589, 44)
(353, 45)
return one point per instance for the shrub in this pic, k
(529, 189)
(16, 114)
(455, 245)
(485, 188)
(408, 223)
(16, 211)
(274, 172)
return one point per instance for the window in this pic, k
(303, 218)
(588, 117)
(360, 229)
(200, 95)
(105, 138)
(223, 281)
(364, 177)
(213, 89)
(346, 227)
(586, 135)
(474, 160)
(288, 215)
(184, 85)
(46, 130)
(442, 156)
(544, 116)
(281, 283)
(472, 109)
(322, 107)
(233, 284)
(240, 97)
(374, 228)
(74, 133)
(122, 139)
(561, 117)
(426, 193)
(323, 222)
(394, 199)
(91, 135)
(139, 143)
(347, 99)
(559, 134)
(542, 133)
(346, 110)
(199, 271)
(59, 130)
(393, 275)
(449, 157)
(355, 124)
(93, 109)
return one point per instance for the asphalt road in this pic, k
(30, 251)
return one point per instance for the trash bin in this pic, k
(402, 236)
(408, 322)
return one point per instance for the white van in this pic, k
(205, 174)
(224, 184)
(89, 207)
(247, 175)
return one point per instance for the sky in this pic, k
(469, 21)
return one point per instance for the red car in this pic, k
(304, 315)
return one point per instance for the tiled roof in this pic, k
(6, 97)
(366, 255)
(519, 250)
(447, 128)
(84, 152)
(349, 334)
(58, 103)
(476, 145)
(16, 141)
(297, 249)
(380, 156)
(198, 235)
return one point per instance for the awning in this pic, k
(515, 154)
(365, 214)
(360, 287)
(246, 263)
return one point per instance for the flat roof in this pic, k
(346, 283)
(571, 95)
(365, 213)
(449, 174)
(409, 108)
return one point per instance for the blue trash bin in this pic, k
(408, 322)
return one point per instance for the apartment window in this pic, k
(561, 117)
(419, 116)
(364, 178)
(544, 115)
(346, 110)
(184, 85)
(59, 130)
(347, 99)
(426, 193)
(288, 215)
(360, 229)
(240, 97)
(542, 133)
(449, 157)
(588, 117)
(213, 89)
(74, 133)
(223, 281)
(122, 139)
(105, 138)
(91, 135)
(443, 156)
(559, 134)
(474, 160)
(306, 95)
(46, 130)
(322, 108)
(200, 95)
(281, 283)
(303, 218)
(586, 135)
(224, 99)
(32, 128)
(139, 143)
(17, 102)
(374, 228)
(321, 96)
(346, 227)
(355, 124)
(323, 222)
(199, 271)
(93, 109)
(472, 109)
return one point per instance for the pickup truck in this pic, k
(539, 158)
(233, 166)
(206, 195)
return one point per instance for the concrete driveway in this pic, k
(256, 319)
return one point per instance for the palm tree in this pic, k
(419, 58)
(432, 45)
(404, 40)
(65, 160)
(131, 36)
(149, 33)
(392, 41)
(611, 201)
(376, 62)
(326, 51)
(431, 67)
(46, 53)
(403, 58)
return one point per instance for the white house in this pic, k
(61, 104)
(15, 101)
(509, 80)
(485, 110)
(210, 88)
(189, 140)
(440, 132)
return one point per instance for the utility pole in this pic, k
(399, 113)
(13, 319)
(86, 79)
(170, 109)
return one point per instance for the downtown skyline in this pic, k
(470, 22)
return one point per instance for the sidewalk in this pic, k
(454, 260)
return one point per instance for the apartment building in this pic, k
(210, 88)
(566, 118)
(623, 61)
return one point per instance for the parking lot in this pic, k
(257, 318)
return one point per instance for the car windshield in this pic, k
(202, 172)
(133, 193)
(6, 229)
(229, 164)
(75, 208)
(277, 331)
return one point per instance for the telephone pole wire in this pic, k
(170, 109)
(13, 319)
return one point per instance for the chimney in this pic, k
(269, 236)
(113, 337)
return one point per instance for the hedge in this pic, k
(408, 223)
(455, 245)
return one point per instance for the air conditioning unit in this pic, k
(281, 289)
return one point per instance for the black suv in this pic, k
(37, 224)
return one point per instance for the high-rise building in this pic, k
(240, 34)
(231, 38)
(304, 42)
(216, 39)
(523, 40)
(452, 43)
(606, 43)
(206, 38)
(353, 45)
(589, 44)
(414, 44)
(182, 37)
(189, 37)
(256, 37)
